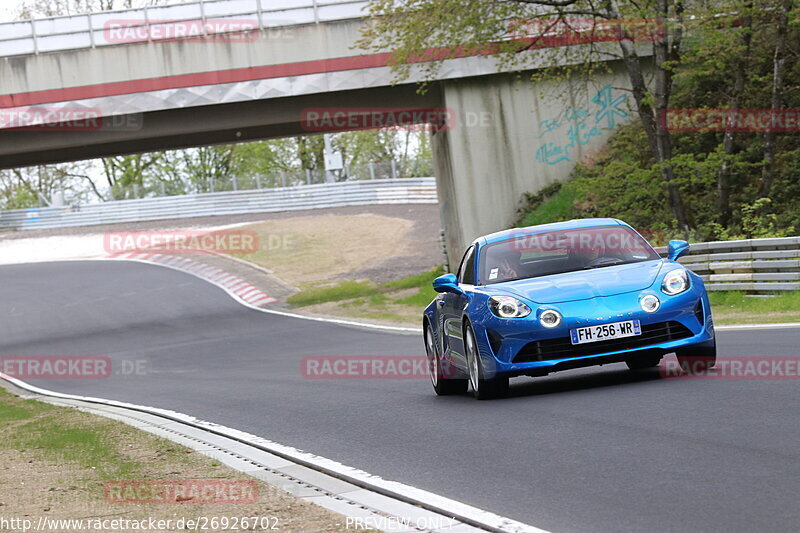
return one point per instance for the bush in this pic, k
(625, 183)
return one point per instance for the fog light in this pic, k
(650, 303)
(550, 318)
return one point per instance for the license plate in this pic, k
(604, 332)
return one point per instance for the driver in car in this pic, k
(508, 266)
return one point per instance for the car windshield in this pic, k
(542, 254)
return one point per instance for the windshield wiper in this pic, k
(601, 265)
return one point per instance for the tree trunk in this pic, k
(729, 139)
(652, 119)
(778, 72)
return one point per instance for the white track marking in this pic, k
(407, 493)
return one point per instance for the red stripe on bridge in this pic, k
(216, 77)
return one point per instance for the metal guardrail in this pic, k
(367, 192)
(209, 17)
(749, 265)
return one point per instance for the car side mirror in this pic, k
(446, 283)
(677, 249)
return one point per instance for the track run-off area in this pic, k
(597, 449)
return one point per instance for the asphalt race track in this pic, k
(600, 449)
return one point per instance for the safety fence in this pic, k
(749, 265)
(349, 193)
(192, 20)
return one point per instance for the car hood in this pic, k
(584, 284)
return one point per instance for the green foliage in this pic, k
(759, 221)
(725, 59)
(553, 204)
(623, 182)
(20, 197)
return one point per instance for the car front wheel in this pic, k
(482, 388)
(698, 359)
(643, 361)
(443, 383)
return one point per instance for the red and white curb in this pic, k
(233, 285)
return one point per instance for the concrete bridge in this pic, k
(229, 71)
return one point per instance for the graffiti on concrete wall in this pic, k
(579, 125)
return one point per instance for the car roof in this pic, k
(555, 226)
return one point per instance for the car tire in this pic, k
(443, 383)
(643, 362)
(482, 388)
(697, 359)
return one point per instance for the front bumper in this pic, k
(513, 347)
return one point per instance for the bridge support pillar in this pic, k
(510, 136)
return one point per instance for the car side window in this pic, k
(466, 272)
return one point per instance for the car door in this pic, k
(452, 309)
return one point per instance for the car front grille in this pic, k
(562, 347)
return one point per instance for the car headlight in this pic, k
(650, 303)
(675, 282)
(508, 307)
(550, 318)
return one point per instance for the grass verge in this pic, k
(734, 307)
(55, 461)
(554, 204)
(398, 301)
(403, 300)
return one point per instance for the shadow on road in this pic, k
(589, 379)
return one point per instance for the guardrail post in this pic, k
(283, 178)
(91, 29)
(163, 189)
(235, 182)
(316, 12)
(372, 170)
(203, 18)
(136, 190)
(258, 181)
(33, 36)
(308, 176)
(260, 11)
(147, 24)
(394, 169)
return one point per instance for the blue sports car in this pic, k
(530, 301)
